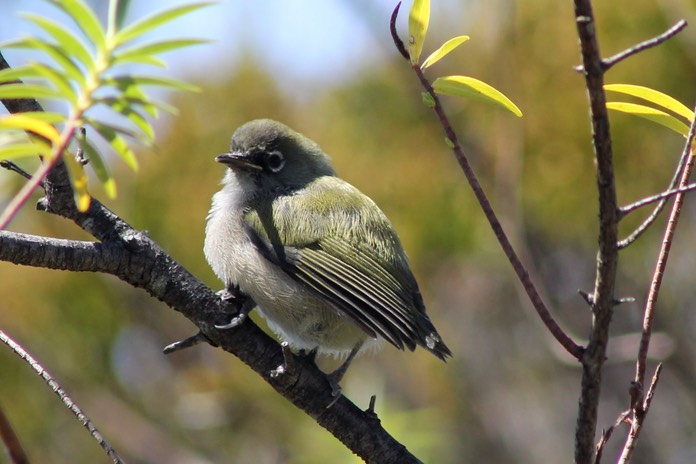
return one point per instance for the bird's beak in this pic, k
(238, 161)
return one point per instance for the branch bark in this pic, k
(608, 256)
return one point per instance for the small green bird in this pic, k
(319, 258)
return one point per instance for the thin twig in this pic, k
(573, 348)
(58, 390)
(651, 390)
(640, 230)
(395, 37)
(623, 211)
(640, 411)
(10, 166)
(612, 60)
(668, 34)
(663, 257)
(606, 434)
(639, 415)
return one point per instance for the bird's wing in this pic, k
(364, 276)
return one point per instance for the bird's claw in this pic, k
(236, 321)
(227, 295)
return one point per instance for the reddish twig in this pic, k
(641, 409)
(663, 257)
(573, 348)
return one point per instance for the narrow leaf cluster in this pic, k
(658, 99)
(87, 70)
(458, 86)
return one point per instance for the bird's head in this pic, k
(274, 156)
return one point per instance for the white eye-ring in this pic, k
(275, 161)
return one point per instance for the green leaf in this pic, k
(464, 86)
(121, 12)
(60, 81)
(70, 45)
(54, 51)
(139, 59)
(447, 47)
(147, 134)
(117, 143)
(71, 69)
(13, 75)
(24, 150)
(85, 19)
(46, 116)
(149, 106)
(133, 79)
(139, 53)
(141, 123)
(32, 91)
(29, 124)
(149, 23)
(100, 168)
(653, 96)
(651, 114)
(418, 20)
(428, 100)
(131, 94)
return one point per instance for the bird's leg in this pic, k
(336, 376)
(310, 355)
(288, 366)
(233, 293)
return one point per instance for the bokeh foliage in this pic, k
(508, 395)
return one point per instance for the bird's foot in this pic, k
(229, 293)
(288, 366)
(335, 377)
(336, 390)
(227, 296)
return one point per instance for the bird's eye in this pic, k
(275, 161)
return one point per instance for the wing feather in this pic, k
(362, 271)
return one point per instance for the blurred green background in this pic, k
(329, 70)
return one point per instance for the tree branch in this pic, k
(607, 257)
